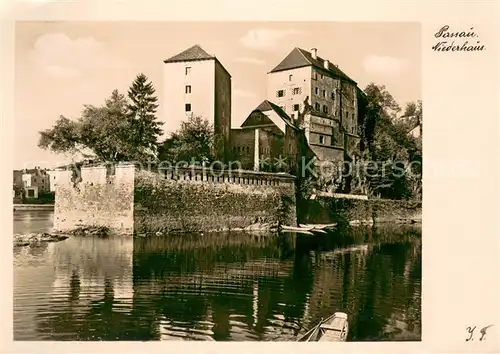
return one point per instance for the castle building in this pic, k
(325, 96)
(197, 84)
(268, 140)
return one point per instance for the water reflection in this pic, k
(225, 286)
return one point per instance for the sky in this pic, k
(61, 66)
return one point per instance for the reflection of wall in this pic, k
(221, 279)
(377, 286)
(93, 260)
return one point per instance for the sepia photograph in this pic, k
(217, 181)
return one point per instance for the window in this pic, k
(188, 107)
(315, 75)
(316, 90)
(290, 77)
(316, 106)
(333, 95)
(296, 90)
(325, 108)
(324, 93)
(280, 93)
(188, 88)
(321, 139)
(188, 70)
(296, 107)
(347, 114)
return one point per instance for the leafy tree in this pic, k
(194, 141)
(118, 130)
(390, 146)
(145, 127)
(100, 132)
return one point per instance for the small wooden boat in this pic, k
(293, 228)
(334, 329)
(319, 226)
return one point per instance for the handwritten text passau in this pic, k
(457, 41)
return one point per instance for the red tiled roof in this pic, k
(299, 58)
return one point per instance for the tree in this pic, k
(194, 141)
(100, 132)
(146, 129)
(389, 143)
(118, 130)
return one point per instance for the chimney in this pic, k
(314, 53)
(326, 64)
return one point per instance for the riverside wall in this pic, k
(193, 200)
(130, 200)
(353, 211)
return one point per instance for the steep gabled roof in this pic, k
(299, 58)
(269, 106)
(193, 53)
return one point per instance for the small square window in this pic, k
(296, 91)
(188, 107)
(188, 70)
(188, 88)
(280, 93)
(296, 107)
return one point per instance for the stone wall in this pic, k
(189, 200)
(97, 197)
(342, 210)
(128, 200)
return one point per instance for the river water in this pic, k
(225, 286)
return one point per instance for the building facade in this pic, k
(325, 100)
(197, 84)
(269, 140)
(32, 181)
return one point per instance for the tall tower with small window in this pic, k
(195, 83)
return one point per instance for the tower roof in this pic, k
(193, 53)
(299, 58)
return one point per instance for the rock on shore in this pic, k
(21, 240)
